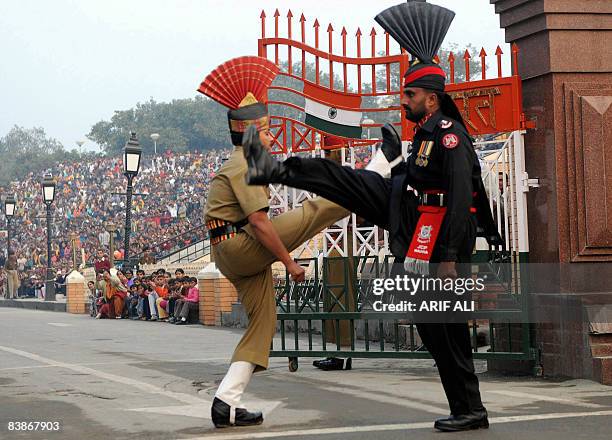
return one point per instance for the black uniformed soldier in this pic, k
(444, 170)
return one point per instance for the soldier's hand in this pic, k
(297, 272)
(392, 143)
(446, 269)
(251, 145)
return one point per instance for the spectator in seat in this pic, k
(101, 262)
(189, 303)
(115, 294)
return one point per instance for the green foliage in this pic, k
(26, 150)
(182, 125)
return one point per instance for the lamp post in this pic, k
(80, 143)
(111, 228)
(9, 211)
(131, 165)
(48, 187)
(367, 121)
(73, 239)
(155, 137)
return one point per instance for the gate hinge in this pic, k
(527, 183)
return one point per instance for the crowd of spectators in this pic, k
(155, 297)
(170, 192)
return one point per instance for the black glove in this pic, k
(392, 143)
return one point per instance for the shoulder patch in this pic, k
(450, 141)
(445, 123)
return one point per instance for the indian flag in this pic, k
(332, 111)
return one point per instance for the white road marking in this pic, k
(202, 411)
(536, 397)
(147, 388)
(299, 433)
(27, 367)
(59, 324)
(191, 401)
(399, 401)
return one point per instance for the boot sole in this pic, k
(482, 425)
(221, 426)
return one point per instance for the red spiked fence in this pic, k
(488, 105)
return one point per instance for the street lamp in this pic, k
(48, 187)
(131, 165)
(367, 121)
(111, 228)
(80, 143)
(73, 240)
(9, 212)
(155, 137)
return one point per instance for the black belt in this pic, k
(437, 199)
(432, 199)
(221, 230)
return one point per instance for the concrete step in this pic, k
(602, 369)
(600, 338)
(598, 350)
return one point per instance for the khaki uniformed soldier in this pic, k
(245, 242)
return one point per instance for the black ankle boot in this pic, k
(329, 364)
(463, 422)
(263, 168)
(220, 414)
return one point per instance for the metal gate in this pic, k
(309, 311)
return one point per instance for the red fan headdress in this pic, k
(241, 84)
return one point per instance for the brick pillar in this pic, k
(566, 73)
(207, 281)
(76, 293)
(225, 296)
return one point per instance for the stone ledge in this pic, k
(602, 369)
(33, 304)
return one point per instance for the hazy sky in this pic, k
(66, 64)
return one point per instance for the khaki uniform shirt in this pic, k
(229, 196)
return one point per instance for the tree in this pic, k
(26, 150)
(183, 124)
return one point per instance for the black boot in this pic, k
(220, 414)
(392, 143)
(463, 422)
(329, 364)
(263, 168)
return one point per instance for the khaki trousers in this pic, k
(247, 265)
(12, 279)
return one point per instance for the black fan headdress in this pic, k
(420, 28)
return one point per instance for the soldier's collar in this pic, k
(430, 121)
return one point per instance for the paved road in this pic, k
(102, 379)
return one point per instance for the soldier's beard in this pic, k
(414, 115)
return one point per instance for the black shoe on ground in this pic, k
(181, 322)
(463, 422)
(172, 320)
(329, 364)
(263, 168)
(220, 414)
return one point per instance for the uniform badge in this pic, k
(444, 124)
(450, 141)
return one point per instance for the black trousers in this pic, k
(368, 195)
